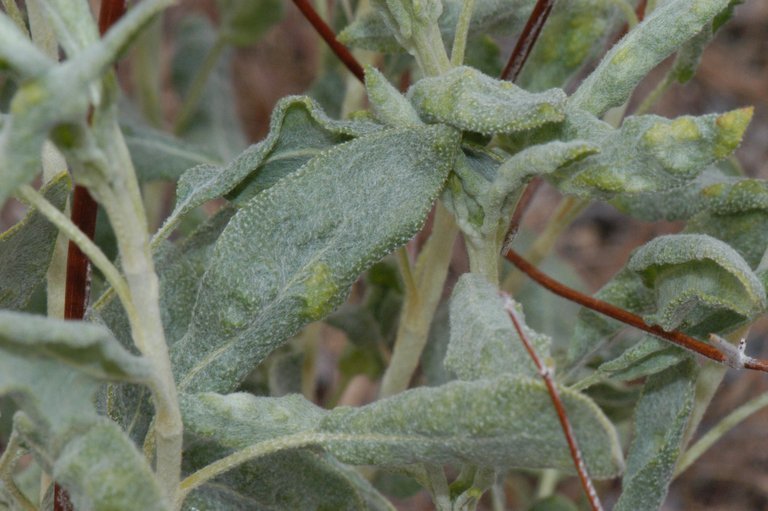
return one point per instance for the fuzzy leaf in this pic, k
(505, 422)
(73, 23)
(17, 52)
(388, 105)
(625, 290)
(737, 213)
(632, 58)
(243, 22)
(370, 31)
(27, 247)
(289, 256)
(649, 153)
(158, 155)
(299, 130)
(573, 35)
(661, 417)
(484, 343)
(471, 101)
(102, 469)
(701, 284)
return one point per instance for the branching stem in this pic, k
(462, 31)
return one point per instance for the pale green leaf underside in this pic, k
(650, 153)
(388, 105)
(299, 130)
(289, 256)
(370, 31)
(88, 348)
(630, 60)
(484, 342)
(471, 101)
(505, 422)
(27, 247)
(661, 417)
(102, 469)
(700, 283)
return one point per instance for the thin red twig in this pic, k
(527, 39)
(84, 210)
(619, 314)
(329, 37)
(570, 437)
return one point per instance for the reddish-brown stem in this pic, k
(570, 437)
(329, 37)
(619, 314)
(527, 39)
(84, 211)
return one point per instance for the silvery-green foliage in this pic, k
(573, 35)
(653, 40)
(736, 213)
(700, 283)
(299, 130)
(388, 105)
(649, 153)
(17, 53)
(244, 21)
(661, 416)
(26, 249)
(289, 256)
(158, 155)
(435, 372)
(371, 31)
(471, 101)
(484, 343)
(215, 124)
(72, 22)
(483, 422)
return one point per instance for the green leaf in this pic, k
(505, 422)
(289, 256)
(27, 247)
(299, 130)
(102, 469)
(632, 58)
(471, 101)
(86, 347)
(661, 417)
(484, 342)
(17, 52)
(215, 124)
(649, 153)
(625, 290)
(736, 213)
(504, 17)
(243, 22)
(574, 34)
(73, 24)
(158, 155)
(701, 284)
(388, 105)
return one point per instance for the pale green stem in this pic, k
(78, 237)
(13, 12)
(566, 212)
(419, 308)
(122, 201)
(43, 34)
(484, 259)
(483, 479)
(547, 483)
(197, 88)
(498, 497)
(653, 97)
(438, 487)
(8, 461)
(462, 32)
(719, 430)
(430, 51)
(628, 11)
(409, 282)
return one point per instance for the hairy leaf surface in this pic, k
(484, 343)
(701, 284)
(27, 247)
(504, 422)
(471, 101)
(661, 417)
(289, 256)
(630, 60)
